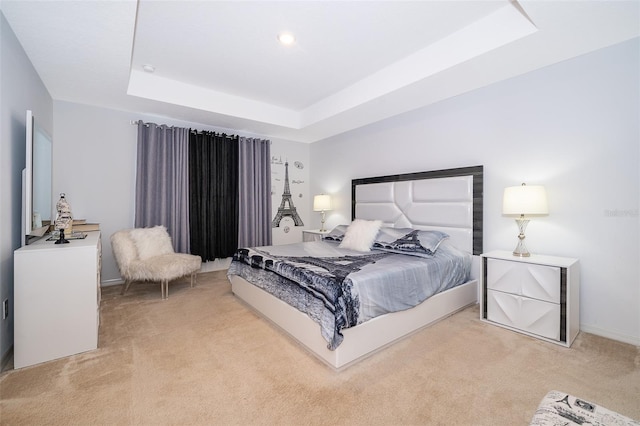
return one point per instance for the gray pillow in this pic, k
(337, 233)
(409, 240)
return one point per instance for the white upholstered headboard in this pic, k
(447, 200)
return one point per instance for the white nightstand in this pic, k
(313, 235)
(537, 295)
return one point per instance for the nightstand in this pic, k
(537, 295)
(313, 235)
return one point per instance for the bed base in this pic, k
(366, 338)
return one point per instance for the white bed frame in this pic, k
(447, 200)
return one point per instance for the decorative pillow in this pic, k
(151, 242)
(361, 234)
(388, 235)
(337, 233)
(431, 240)
(415, 241)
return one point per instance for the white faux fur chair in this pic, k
(146, 254)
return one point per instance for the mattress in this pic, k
(340, 288)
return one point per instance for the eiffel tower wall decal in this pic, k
(286, 209)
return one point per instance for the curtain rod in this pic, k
(196, 131)
(136, 122)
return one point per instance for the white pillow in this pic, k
(361, 234)
(151, 242)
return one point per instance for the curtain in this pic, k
(162, 181)
(254, 228)
(213, 186)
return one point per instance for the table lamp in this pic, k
(524, 200)
(322, 203)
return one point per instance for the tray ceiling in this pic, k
(219, 63)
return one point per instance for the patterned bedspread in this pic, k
(340, 288)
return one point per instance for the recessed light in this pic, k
(286, 38)
(148, 68)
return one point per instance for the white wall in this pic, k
(20, 89)
(573, 127)
(94, 165)
(94, 157)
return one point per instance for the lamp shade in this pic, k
(321, 203)
(525, 200)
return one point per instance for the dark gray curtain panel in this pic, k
(254, 228)
(213, 186)
(162, 181)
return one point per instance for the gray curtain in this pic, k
(162, 181)
(254, 227)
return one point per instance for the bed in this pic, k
(427, 203)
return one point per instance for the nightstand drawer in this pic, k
(524, 279)
(523, 313)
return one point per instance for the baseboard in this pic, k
(109, 283)
(215, 265)
(6, 358)
(633, 340)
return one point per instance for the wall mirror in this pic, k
(37, 206)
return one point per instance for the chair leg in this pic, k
(164, 286)
(125, 286)
(193, 279)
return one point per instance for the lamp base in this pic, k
(521, 248)
(322, 223)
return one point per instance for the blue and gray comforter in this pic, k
(340, 288)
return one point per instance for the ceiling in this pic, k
(353, 63)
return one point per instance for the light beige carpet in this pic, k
(202, 357)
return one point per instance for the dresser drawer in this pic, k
(526, 314)
(539, 282)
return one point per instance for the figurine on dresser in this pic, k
(64, 219)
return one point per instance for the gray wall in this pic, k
(20, 89)
(573, 127)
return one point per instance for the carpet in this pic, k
(202, 357)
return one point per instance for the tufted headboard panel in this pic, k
(446, 200)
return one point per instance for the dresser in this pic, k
(56, 299)
(537, 295)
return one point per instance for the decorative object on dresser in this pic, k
(537, 295)
(81, 225)
(57, 299)
(64, 219)
(322, 203)
(146, 254)
(524, 200)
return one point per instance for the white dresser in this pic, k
(536, 295)
(56, 299)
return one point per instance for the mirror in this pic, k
(42, 205)
(37, 206)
